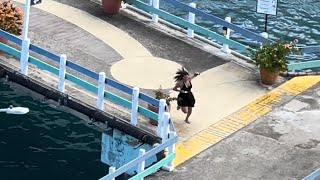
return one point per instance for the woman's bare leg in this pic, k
(188, 115)
(184, 110)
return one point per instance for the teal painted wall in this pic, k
(119, 148)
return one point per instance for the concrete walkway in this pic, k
(282, 144)
(221, 89)
(115, 38)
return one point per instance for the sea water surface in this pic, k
(47, 143)
(295, 19)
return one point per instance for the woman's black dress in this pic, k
(186, 99)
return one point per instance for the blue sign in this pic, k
(34, 2)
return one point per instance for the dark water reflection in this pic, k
(46, 143)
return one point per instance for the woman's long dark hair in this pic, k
(180, 73)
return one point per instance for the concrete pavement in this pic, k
(282, 144)
(218, 93)
(222, 88)
(120, 41)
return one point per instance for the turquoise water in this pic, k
(295, 19)
(46, 143)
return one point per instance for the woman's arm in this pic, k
(194, 75)
(178, 87)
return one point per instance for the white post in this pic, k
(191, 19)
(225, 47)
(25, 41)
(123, 5)
(165, 127)
(26, 14)
(135, 105)
(24, 56)
(150, 4)
(62, 73)
(162, 107)
(264, 34)
(101, 89)
(111, 170)
(141, 165)
(172, 149)
(155, 17)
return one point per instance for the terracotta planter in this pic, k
(155, 110)
(111, 7)
(267, 77)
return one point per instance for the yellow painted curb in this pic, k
(239, 119)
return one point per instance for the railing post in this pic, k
(150, 4)
(225, 47)
(135, 106)
(165, 127)
(172, 149)
(191, 19)
(141, 165)
(101, 89)
(24, 56)
(111, 170)
(155, 17)
(162, 107)
(265, 35)
(25, 40)
(62, 72)
(123, 5)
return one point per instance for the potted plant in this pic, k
(111, 7)
(10, 19)
(272, 59)
(159, 94)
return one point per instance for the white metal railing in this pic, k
(169, 139)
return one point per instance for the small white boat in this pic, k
(15, 110)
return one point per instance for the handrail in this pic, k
(82, 70)
(139, 159)
(44, 53)
(117, 85)
(311, 49)
(313, 176)
(198, 29)
(303, 65)
(10, 37)
(88, 86)
(184, 23)
(246, 33)
(84, 84)
(154, 167)
(214, 19)
(120, 86)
